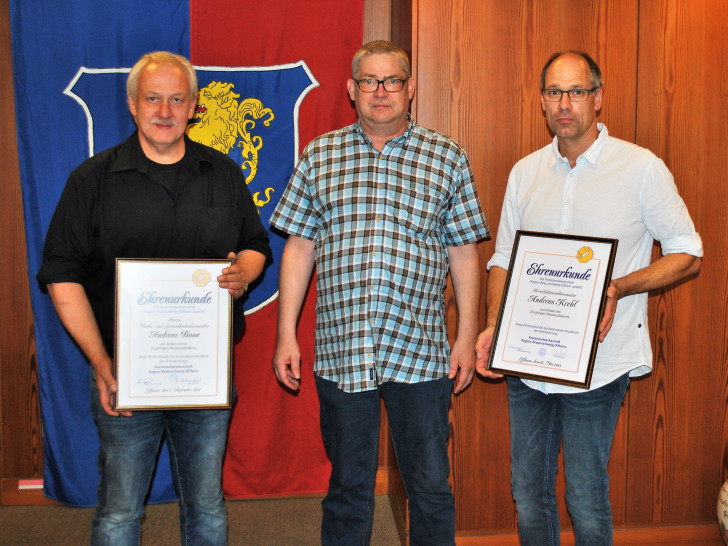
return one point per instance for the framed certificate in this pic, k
(548, 324)
(173, 335)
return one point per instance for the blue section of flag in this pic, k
(280, 90)
(51, 41)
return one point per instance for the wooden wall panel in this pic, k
(21, 449)
(478, 75)
(678, 432)
(377, 20)
(664, 64)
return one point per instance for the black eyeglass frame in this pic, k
(382, 83)
(568, 93)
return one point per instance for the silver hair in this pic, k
(380, 47)
(163, 58)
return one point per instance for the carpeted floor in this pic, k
(279, 522)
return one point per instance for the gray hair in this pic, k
(162, 58)
(378, 47)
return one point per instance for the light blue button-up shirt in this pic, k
(381, 222)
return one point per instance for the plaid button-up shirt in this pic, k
(381, 223)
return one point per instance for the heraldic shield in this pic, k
(249, 114)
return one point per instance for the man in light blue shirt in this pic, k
(587, 183)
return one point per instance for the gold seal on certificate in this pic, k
(584, 254)
(173, 335)
(552, 303)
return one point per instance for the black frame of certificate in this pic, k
(590, 338)
(222, 363)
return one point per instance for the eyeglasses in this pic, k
(391, 85)
(575, 95)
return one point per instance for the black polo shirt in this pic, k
(118, 205)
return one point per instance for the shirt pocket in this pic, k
(418, 205)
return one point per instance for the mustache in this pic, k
(168, 122)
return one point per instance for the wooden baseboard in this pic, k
(381, 486)
(703, 534)
(22, 492)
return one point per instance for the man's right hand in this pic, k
(482, 353)
(74, 310)
(107, 385)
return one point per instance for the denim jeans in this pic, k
(127, 455)
(419, 425)
(585, 422)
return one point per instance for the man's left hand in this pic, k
(462, 365)
(234, 277)
(610, 308)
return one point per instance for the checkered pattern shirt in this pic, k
(381, 223)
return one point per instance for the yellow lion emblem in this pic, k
(220, 120)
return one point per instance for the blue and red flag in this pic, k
(272, 77)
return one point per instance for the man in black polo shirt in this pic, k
(156, 195)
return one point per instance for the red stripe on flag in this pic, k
(275, 444)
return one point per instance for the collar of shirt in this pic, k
(131, 156)
(591, 154)
(402, 140)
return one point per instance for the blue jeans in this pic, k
(419, 425)
(127, 455)
(585, 422)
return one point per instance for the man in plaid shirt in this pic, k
(382, 208)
